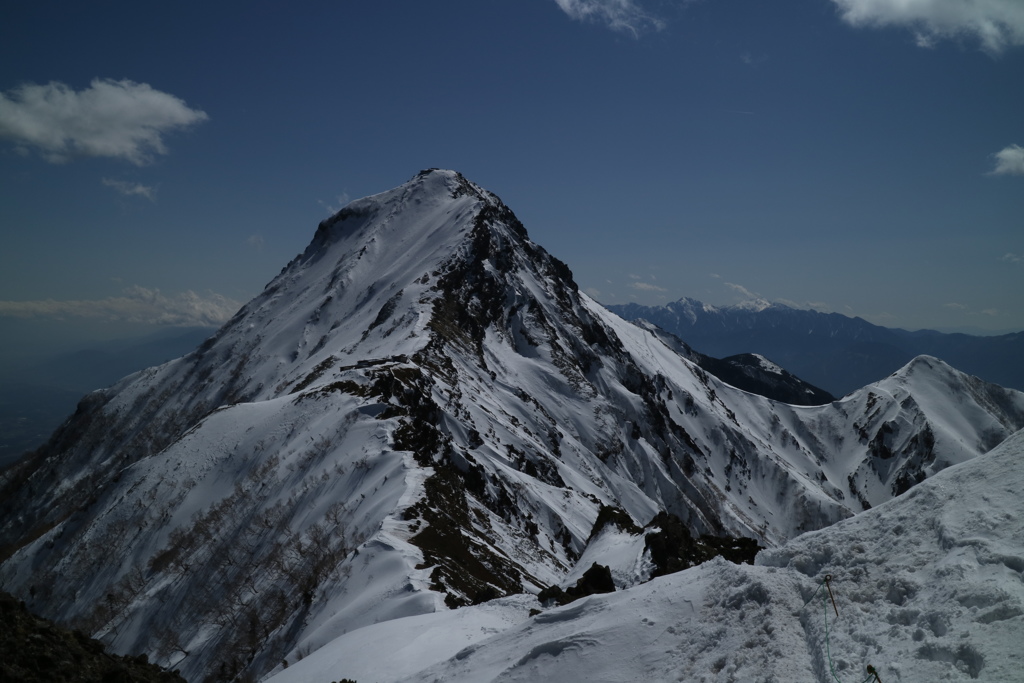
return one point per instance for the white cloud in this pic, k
(1009, 161)
(646, 287)
(742, 290)
(130, 189)
(137, 305)
(255, 241)
(963, 308)
(337, 205)
(619, 15)
(997, 24)
(117, 119)
(1012, 258)
(820, 306)
(753, 60)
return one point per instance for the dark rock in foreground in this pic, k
(34, 649)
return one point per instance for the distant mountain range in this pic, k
(829, 350)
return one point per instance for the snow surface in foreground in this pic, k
(929, 587)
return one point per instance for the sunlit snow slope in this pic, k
(928, 587)
(422, 412)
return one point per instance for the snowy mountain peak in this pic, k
(755, 305)
(422, 194)
(423, 412)
(432, 199)
(381, 278)
(434, 209)
(923, 364)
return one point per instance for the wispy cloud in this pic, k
(136, 305)
(337, 204)
(647, 287)
(740, 289)
(255, 241)
(116, 119)
(963, 308)
(131, 189)
(620, 15)
(997, 24)
(1012, 258)
(1009, 160)
(820, 306)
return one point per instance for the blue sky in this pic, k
(160, 163)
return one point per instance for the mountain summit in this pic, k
(419, 413)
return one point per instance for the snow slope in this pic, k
(928, 587)
(422, 412)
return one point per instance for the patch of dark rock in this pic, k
(673, 548)
(385, 312)
(34, 650)
(744, 371)
(607, 515)
(466, 570)
(597, 579)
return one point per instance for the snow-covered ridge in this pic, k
(924, 588)
(767, 365)
(423, 412)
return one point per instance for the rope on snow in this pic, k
(872, 672)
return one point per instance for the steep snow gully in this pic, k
(421, 425)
